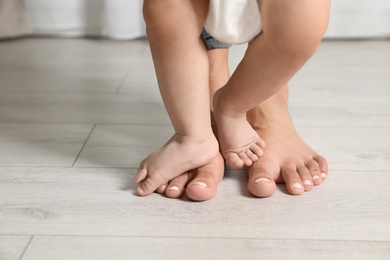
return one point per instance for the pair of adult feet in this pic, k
(286, 159)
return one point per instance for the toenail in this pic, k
(204, 185)
(323, 175)
(307, 182)
(174, 188)
(297, 186)
(140, 190)
(315, 177)
(262, 179)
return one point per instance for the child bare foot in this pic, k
(270, 61)
(201, 184)
(287, 158)
(239, 143)
(180, 154)
(180, 60)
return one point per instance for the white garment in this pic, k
(233, 21)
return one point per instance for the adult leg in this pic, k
(292, 31)
(180, 60)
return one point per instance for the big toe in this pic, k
(260, 182)
(204, 185)
(147, 187)
(202, 188)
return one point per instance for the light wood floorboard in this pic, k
(41, 144)
(77, 116)
(102, 201)
(13, 247)
(85, 248)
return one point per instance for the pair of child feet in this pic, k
(196, 162)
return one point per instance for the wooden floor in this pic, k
(77, 116)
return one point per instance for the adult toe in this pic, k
(323, 164)
(260, 182)
(306, 177)
(176, 186)
(205, 180)
(162, 188)
(293, 181)
(315, 172)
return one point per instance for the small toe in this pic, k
(261, 143)
(317, 179)
(176, 186)
(141, 175)
(162, 189)
(306, 177)
(323, 164)
(315, 172)
(233, 160)
(257, 150)
(253, 157)
(245, 159)
(293, 181)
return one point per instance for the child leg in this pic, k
(201, 184)
(292, 31)
(181, 64)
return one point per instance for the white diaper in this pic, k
(233, 21)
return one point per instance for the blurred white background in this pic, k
(117, 19)
(122, 19)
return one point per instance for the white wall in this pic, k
(117, 19)
(359, 18)
(122, 19)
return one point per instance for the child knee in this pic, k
(155, 16)
(297, 47)
(300, 41)
(303, 48)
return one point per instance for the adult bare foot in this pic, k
(287, 158)
(199, 184)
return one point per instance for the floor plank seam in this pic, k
(189, 237)
(123, 80)
(85, 142)
(26, 248)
